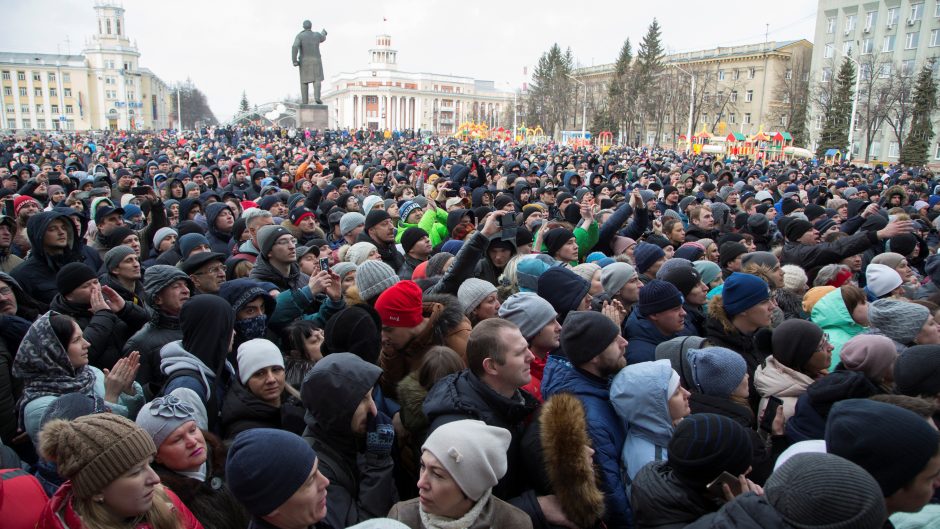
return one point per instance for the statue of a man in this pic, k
(306, 54)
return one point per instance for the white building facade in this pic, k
(380, 97)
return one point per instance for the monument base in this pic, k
(313, 116)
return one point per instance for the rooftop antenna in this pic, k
(68, 45)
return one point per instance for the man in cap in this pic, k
(277, 260)
(659, 317)
(379, 229)
(206, 270)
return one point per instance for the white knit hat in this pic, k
(359, 252)
(257, 354)
(794, 277)
(882, 279)
(472, 292)
(473, 452)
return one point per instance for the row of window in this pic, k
(915, 14)
(733, 118)
(885, 71)
(37, 92)
(40, 109)
(867, 45)
(21, 76)
(736, 74)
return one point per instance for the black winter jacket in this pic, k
(660, 500)
(106, 331)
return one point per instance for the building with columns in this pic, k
(103, 88)
(381, 97)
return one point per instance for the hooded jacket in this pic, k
(105, 330)
(748, 511)
(662, 501)
(361, 483)
(640, 397)
(218, 241)
(37, 273)
(604, 428)
(777, 380)
(265, 271)
(159, 331)
(243, 410)
(831, 314)
(643, 337)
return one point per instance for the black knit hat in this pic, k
(795, 341)
(586, 334)
(556, 238)
(685, 278)
(796, 228)
(411, 236)
(705, 444)
(374, 218)
(917, 371)
(71, 276)
(658, 296)
(730, 251)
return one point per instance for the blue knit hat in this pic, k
(658, 296)
(743, 291)
(406, 210)
(716, 371)
(190, 241)
(265, 467)
(646, 255)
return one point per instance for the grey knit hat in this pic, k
(528, 311)
(162, 416)
(615, 276)
(268, 235)
(898, 320)
(343, 268)
(472, 292)
(824, 490)
(158, 277)
(359, 252)
(162, 233)
(373, 278)
(350, 221)
(115, 255)
(435, 265)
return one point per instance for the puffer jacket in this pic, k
(639, 395)
(831, 314)
(59, 513)
(661, 501)
(643, 337)
(242, 410)
(748, 511)
(159, 331)
(37, 273)
(605, 428)
(774, 379)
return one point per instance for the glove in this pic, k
(380, 435)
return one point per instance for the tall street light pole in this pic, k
(584, 108)
(858, 76)
(688, 134)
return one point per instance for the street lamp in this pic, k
(514, 109)
(688, 134)
(858, 75)
(584, 111)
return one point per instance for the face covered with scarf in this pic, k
(251, 321)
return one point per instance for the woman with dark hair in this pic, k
(303, 349)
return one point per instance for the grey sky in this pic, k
(229, 46)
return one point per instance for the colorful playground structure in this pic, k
(771, 146)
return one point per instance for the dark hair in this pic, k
(484, 343)
(438, 362)
(63, 327)
(931, 306)
(297, 333)
(921, 406)
(852, 296)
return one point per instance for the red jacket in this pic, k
(535, 384)
(21, 499)
(58, 513)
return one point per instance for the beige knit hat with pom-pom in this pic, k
(94, 450)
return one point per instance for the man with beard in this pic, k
(594, 351)
(8, 230)
(24, 207)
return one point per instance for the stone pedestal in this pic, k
(313, 117)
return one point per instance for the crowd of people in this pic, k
(268, 328)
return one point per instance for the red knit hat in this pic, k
(400, 305)
(20, 200)
(421, 271)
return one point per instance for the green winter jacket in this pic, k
(831, 314)
(434, 221)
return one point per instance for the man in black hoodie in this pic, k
(379, 229)
(54, 245)
(220, 219)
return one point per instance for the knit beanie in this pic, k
(94, 450)
(20, 200)
(342, 268)
(529, 312)
(645, 255)
(658, 296)
(473, 452)
(374, 277)
(621, 244)
(586, 334)
(813, 295)
(794, 277)
(268, 235)
(472, 292)
(693, 251)
(761, 258)
(881, 279)
(730, 251)
(190, 241)
(556, 238)
(669, 264)
(400, 305)
(436, 263)
(72, 276)
(708, 270)
(163, 415)
(813, 490)
(359, 252)
(255, 355)
(530, 268)
(917, 371)
(743, 291)
(452, 246)
(889, 259)
(898, 320)
(716, 371)
(795, 341)
(586, 271)
(615, 276)
(563, 289)
(796, 228)
(405, 209)
(705, 444)
(374, 218)
(162, 233)
(265, 467)
(685, 278)
(866, 433)
(115, 255)
(350, 221)
(870, 354)
(411, 236)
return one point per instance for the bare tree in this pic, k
(874, 97)
(791, 96)
(901, 106)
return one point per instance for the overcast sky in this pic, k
(227, 47)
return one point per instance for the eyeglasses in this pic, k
(214, 270)
(824, 343)
(286, 242)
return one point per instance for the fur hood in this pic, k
(716, 313)
(564, 436)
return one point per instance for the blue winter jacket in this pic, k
(605, 428)
(644, 337)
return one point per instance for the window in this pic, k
(51, 77)
(789, 74)
(21, 76)
(736, 75)
(68, 109)
(849, 23)
(826, 74)
(7, 90)
(54, 109)
(750, 72)
(67, 92)
(935, 68)
(721, 75)
(747, 117)
(866, 71)
(831, 25)
(935, 38)
(936, 153)
(871, 18)
(23, 91)
(783, 121)
(27, 123)
(6, 75)
(11, 109)
(731, 118)
(888, 44)
(749, 96)
(936, 10)
(37, 77)
(907, 68)
(704, 118)
(912, 40)
(24, 109)
(847, 48)
(66, 77)
(786, 98)
(829, 52)
(868, 45)
(875, 148)
(53, 92)
(37, 92)
(892, 17)
(917, 12)
(894, 150)
(40, 109)
(734, 96)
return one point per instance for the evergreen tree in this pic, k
(916, 148)
(649, 64)
(837, 114)
(243, 104)
(550, 93)
(619, 94)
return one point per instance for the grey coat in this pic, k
(306, 50)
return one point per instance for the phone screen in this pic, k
(770, 412)
(725, 478)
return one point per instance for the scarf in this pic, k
(433, 521)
